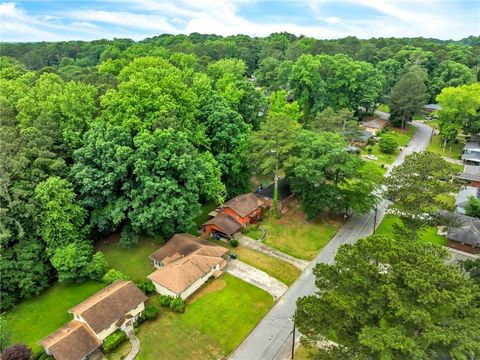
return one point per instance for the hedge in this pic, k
(151, 312)
(113, 341)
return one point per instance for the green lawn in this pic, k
(453, 151)
(383, 108)
(297, 237)
(303, 352)
(133, 262)
(219, 317)
(403, 137)
(202, 217)
(280, 270)
(428, 235)
(254, 234)
(34, 319)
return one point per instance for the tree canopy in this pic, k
(380, 299)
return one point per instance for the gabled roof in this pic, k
(464, 229)
(73, 341)
(227, 224)
(462, 197)
(284, 190)
(181, 245)
(471, 173)
(109, 304)
(375, 123)
(472, 145)
(179, 275)
(472, 156)
(243, 204)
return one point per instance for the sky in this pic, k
(51, 20)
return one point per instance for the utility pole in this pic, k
(293, 339)
(375, 219)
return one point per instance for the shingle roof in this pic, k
(179, 275)
(375, 123)
(464, 229)
(433, 107)
(73, 341)
(181, 245)
(472, 145)
(109, 304)
(227, 224)
(243, 204)
(462, 197)
(473, 156)
(284, 190)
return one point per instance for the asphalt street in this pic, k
(272, 338)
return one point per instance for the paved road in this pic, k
(272, 338)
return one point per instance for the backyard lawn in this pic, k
(280, 270)
(216, 320)
(202, 217)
(132, 262)
(34, 319)
(383, 108)
(293, 235)
(428, 235)
(453, 151)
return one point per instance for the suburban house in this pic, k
(236, 213)
(471, 153)
(115, 307)
(374, 125)
(245, 208)
(471, 174)
(464, 232)
(429, 108)
(224, 225)
(184, 264)
(285, 195)
(462, 197)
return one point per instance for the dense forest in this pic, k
(106, 136)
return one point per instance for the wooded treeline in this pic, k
(107, 136)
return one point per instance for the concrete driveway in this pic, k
(256, 277)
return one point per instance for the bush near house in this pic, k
(151, 312)
(388, 144)
(146, 286)
(234, 243)
(176, 304)
(114, 340)
(113, 275)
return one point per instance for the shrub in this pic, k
(135, 324)
(253, 227)
(178, 305)
(17, 352)
(44, 356)
(388, 144)
(146, 286)
(234, 243)
(113, 341)
(97, 266)
(141, 320)
(151, 312)
(113, 275)
(165, 300)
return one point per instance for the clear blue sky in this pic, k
(52, 20)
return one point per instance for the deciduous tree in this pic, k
(381, 300)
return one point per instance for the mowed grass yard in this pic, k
(453, 151)
(34, 319)
(403, 137)
(429, 234)
(134, 262)
(217, 318)
(279, 269)
(297, 237)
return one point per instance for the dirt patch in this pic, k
(109, 240)
(210, 287)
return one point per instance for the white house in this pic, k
(184, 264)
(115, 307)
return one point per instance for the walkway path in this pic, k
(261, 247)
(272, 337)
(256, 277)
(135, 345)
